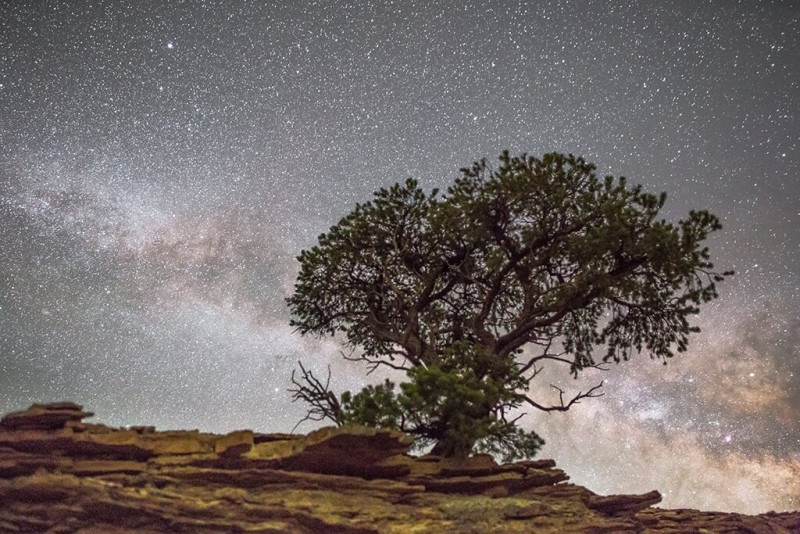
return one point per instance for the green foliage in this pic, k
(451, 403)
(471, 291)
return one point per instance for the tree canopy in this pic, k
(473, 291)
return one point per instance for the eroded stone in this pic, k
(81, 477)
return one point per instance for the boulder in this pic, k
(235, 443)
(353, 451)
(616, 504)
(52, 416)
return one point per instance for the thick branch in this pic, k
(548, 317)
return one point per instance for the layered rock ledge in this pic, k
(59, 474)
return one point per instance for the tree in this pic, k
(471, 292)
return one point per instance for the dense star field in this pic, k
(161, 165)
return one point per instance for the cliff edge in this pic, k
(59, 474)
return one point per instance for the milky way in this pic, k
(161, 165)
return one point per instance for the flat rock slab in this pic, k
(44, 417)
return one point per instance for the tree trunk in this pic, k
(442, 448)
(446, 448)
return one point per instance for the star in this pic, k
(151, 209)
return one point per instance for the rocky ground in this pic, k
(60, 474)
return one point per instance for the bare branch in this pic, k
(563, 407)
(513, 421)
(323, 402)
(603, 366)
(373, 364)
(534, 374)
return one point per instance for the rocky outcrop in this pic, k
(44, 417)
(59, 474)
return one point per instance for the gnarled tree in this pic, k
(473, 291)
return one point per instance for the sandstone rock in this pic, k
(526, 512)
(58, 474)
(615, 504)
(176, 443)
(65, 443)
(372, 443)
(263, 438)
(477, 465)
(512, 482)
(44, 417)
(788, 520)
(276, 449)
(105, 467)
(354, 451)
(15, 464)
(235, 443)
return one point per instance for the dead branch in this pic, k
(562, 406)
(323, 402)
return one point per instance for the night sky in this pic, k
(162, 164)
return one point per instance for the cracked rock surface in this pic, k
(59, 474)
